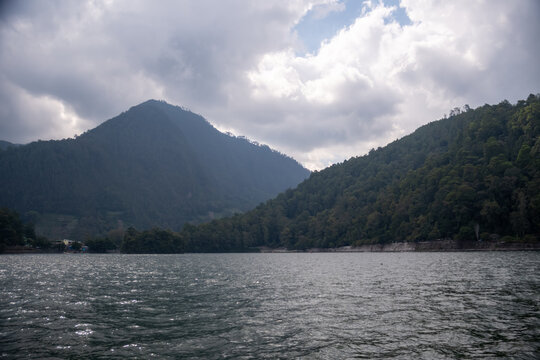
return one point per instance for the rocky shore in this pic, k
(438, 245)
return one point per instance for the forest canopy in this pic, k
(474, 175)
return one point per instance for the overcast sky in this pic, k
(319, 80)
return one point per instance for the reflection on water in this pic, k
(329, 306)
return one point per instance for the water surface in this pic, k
(326, 306)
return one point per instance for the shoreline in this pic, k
(424, 246)
(447, 245)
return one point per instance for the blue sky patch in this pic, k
(313, 28)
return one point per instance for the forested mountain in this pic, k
(154, 165)
(6, 144)
(477, 171)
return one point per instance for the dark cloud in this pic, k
(100, 59)
(66, 66)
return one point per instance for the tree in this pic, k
(518, 217)
(479, 166)
(11, 229)
(100, 245)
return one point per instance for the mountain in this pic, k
(154, 165)
(6, 144)
(475, 174)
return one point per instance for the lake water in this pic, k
(313, 306)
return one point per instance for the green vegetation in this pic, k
(155, 241)
(13, 232)
(471, 175)
(154, 165)
(100, 245)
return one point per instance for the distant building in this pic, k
(67, 242)
(68, 245)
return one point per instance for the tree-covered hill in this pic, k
(154, 165)
(6, 144)
(475, 172)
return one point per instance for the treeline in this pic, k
(131, 241)
(474, 175)
(13, 232)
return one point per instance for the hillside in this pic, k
(154, 165)
(476, 172)
(6, 144)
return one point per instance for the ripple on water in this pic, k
(409, 305)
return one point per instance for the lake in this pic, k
(295, 305)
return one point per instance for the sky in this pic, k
(319, 80)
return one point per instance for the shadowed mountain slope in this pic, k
(154, 165)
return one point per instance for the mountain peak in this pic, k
(153, 165)
(154, 102)
(160, 104)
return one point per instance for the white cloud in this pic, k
(46, 118)
(322, 10)
(66, 66)
(378, 80)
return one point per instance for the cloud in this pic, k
(67, 66)
(44, 119)
(377, 80)
(322, 10)
(100, 57)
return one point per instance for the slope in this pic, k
(476, 173)
(6, 144)
(154, 165)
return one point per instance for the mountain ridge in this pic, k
(474, 175)
(152, 165)
(6, 144)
